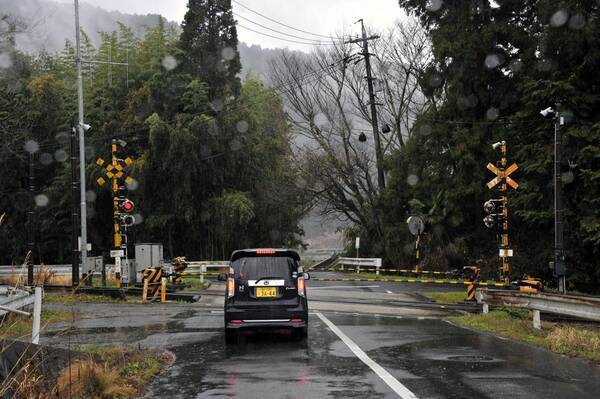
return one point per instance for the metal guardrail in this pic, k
(583, 307)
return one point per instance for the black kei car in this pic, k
(265, 288)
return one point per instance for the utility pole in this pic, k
(30, 214)
(364, 40)
(74, 205)
(559, 257)
(80, 125)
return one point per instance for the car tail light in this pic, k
(265, 252)
(301, 286)
(230, 287)
(235, 321)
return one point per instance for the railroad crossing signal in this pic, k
(122, 207)
(502, 174)
(497, 209)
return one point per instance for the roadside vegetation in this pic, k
(195, 284)
(17, 326)
(446, 296)
(573, 340)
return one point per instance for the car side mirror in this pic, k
(222, 277)
(306, 276)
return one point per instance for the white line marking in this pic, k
(343, 286)
(389, 379)
(389, 292)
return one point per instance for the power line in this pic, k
(283, 38)
(278, 31)
(279, 23)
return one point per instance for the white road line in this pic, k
(389, 292)
(342, 286)
(389, 379)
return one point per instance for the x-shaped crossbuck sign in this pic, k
(502, 174)
(114, 171)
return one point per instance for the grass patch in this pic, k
(195, 284)
(14, 326)
(570, 340)
(449, 297)
(65, 298)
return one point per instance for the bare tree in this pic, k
(327, 99)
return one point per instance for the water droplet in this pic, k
(5, 61)
(62, 137)
(515, 65)
(559, 18)
(213, 128)
(425, 130)
(320, 120)
(217, 105)
(492, 113)
(204, 216)
(434, 5)
(274, 234)
(544, 65)
(46, 159)
(133, 185)
(138, 218)
(228, 53)
(31, 146)
(438, 230)
(41, 200)
(205, 152)
(567, 177)
(434, 80)
(169, 62)
(492, 61)
(577, 21)
(90, 196)
(89, 152)
(412, 180)
(60, 155)
(235, 145)
(242, 126)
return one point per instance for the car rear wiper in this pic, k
(265, 278)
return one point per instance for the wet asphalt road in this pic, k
(424, 354)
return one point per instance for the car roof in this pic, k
(253, 252)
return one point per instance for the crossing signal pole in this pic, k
(122, 207)
(497, 209)
(364, 42)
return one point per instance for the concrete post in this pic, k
(537, 322)
(37, 314)
(486, 308)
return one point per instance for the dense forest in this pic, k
(212, 156)
(215, 169)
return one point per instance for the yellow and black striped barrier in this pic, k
(413, 280)
(179, 266)
(401, 271)
(154, 280)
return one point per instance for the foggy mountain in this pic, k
(50, 24)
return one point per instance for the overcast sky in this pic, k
(316, 16)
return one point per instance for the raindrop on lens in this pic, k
(204, 152)
(204, 216)
(213, 128)
(412, 180)
(559, 18)
(425, 130)
(516, 65)
(228, 53)
(544, 65)
(169, 62)
(242, 126)
(46, 159)
(567, 177)
(31, 146)
(320, 120)
(60, 155)
(217, 105)
(5, 61)
(235, 145)
(492, 113)
(133, 185)
(492, 61)
(90, 196)
(433, 5)
(577, 21)
(435, 80)
(138, 218)
(41, 200)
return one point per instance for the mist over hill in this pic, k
(50, 24)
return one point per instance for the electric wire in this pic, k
(284, 39)
(280, 32)
(278, 22)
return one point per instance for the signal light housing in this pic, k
(489, 221)
(126, 205)
(127, 220)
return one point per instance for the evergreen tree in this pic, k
(209, 47)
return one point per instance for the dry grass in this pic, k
(88, 379)
(40, 277)
(578, 341)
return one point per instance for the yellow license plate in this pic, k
(266, 292)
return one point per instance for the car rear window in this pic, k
(254, 268)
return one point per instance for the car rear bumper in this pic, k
(275, 323)
(241, 317)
